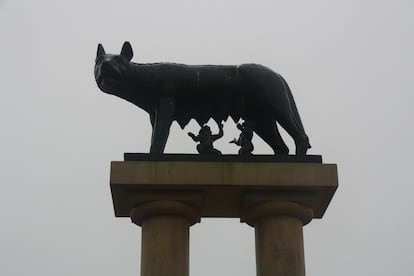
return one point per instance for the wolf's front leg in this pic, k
(161, 121)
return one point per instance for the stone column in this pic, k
(279, 237)
(165, 236)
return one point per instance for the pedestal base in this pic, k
(166, 198)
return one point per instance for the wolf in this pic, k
(177, 92)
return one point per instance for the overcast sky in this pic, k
(349, 65)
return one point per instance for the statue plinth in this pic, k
(166, 197)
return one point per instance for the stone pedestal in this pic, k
(277, 199)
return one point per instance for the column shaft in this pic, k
(165, 236)
(279, 247)
(165, 246)
(279, 236)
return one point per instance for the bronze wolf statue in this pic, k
(170, 91)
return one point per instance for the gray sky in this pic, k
(348, 63)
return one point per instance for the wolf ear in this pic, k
(101, 51)
(127, 50)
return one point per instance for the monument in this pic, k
(167, 193)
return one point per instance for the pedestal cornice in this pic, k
(221, 189)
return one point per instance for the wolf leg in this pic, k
(267, 130)
(300, 138)
(161, 121)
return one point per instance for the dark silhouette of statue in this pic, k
(245, 139)
(206, 140)
(169, 91)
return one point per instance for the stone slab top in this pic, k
(221, 189)
(261, 158)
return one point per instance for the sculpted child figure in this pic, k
(206, 140)
(245, 139)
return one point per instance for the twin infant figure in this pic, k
(206, 139)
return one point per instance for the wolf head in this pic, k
(110, 70)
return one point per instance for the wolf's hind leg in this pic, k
(268, 131)
(300, 138)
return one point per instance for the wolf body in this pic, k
(170, 91)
